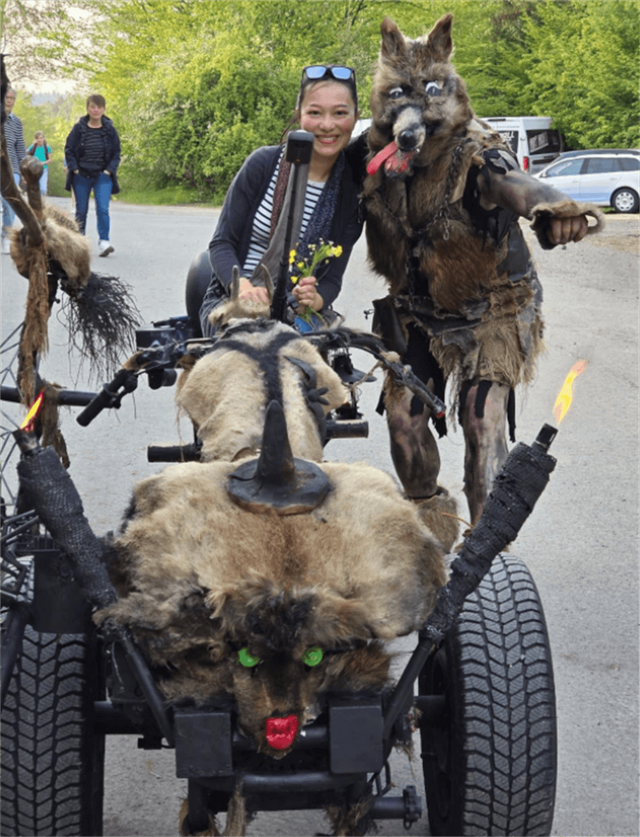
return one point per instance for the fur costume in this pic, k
(443, 196)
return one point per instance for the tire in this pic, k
(52, 762)
(625, 201)
(490, 765)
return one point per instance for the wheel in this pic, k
(490, 765)
(625, 200)
(52, 761)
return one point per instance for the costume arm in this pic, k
(556, 218)
(114, 162)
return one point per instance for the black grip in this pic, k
(103, 399)
(108, 396)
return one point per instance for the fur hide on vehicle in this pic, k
(226, 393)
(200, 578)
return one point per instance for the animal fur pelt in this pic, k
(200, 578)
(68, 252)
(100, 312)
(454, 258)
(226, 393)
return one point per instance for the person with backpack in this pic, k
(42, 152)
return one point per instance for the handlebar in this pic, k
(64, 397)
(110, 396)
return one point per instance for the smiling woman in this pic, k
(248, 233)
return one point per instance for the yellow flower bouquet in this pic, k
(300, 268)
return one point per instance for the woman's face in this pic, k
(94, 111)
(329, 113)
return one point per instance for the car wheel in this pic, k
(490, 762)
(52, 759)
(625, 200)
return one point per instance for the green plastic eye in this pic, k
(312, 656)
(246, 659)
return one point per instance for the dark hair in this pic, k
(96, 99)
(308, 81)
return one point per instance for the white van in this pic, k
(534, 141)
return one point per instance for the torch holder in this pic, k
(51, 492)
(515, 492)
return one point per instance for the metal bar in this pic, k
(296, 782)
(13, 631)
(432, 708)
(147, 684)
(111, 721)
(404, 688)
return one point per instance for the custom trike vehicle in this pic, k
(242, 613)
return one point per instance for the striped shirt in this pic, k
(14, 135)
(93, 157)
(261, 232)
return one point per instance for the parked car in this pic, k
(607, 177)
(532, 139)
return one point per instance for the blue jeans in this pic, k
(44, 180)
(101, 185)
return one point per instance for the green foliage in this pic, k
(588, 79)
(55, 120)
(194, 86)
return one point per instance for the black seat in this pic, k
(198, 279)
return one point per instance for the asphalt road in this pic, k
(580, 543)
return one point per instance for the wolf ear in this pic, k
(234, 288)
(266, 278)
(393, 42)
(440, 39)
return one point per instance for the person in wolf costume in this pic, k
(443, 197)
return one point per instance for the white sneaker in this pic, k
(105, 248)
(6, 246)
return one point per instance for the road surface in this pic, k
(580, 544)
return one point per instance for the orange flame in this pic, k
(563, 401)
(27, 424)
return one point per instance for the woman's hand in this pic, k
(306, 294)
(248, 291)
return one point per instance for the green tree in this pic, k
(584, 71)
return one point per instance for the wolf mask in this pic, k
(417, 95)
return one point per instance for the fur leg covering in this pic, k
(414, 449)
(484, 426)
(440, 514)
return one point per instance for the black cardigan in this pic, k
(230, 242)
(75, 143)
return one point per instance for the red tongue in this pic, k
(394, 160)
(280, 732)
(380, 157)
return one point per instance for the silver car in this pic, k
(607, 177)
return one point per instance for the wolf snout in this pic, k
(408, 140)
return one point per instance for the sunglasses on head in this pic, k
(315, 72)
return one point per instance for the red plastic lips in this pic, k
(280, 732)
(394, 160)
